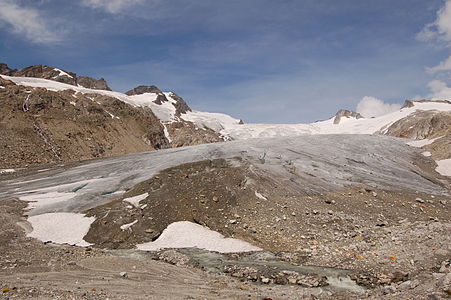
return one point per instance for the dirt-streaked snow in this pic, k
(444, 166)
(185, 234)
(335, 161)
(61, 228)
(43, 199)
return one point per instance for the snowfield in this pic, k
(186, 234)
(61, 228)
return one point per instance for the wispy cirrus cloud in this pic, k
(439, 32)
(439, 29)
(111, 6)
(27, 22)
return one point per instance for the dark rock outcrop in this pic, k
(4, 69)
(142, 89)
(346, 113)
(180, 105)
(46, 72)
(91, 83)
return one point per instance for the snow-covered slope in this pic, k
(230, 128)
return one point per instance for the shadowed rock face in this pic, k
(51, 73)
(346, 113)
(92, 83)
(180, 105)
(4, 69)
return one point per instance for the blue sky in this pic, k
(276, 61)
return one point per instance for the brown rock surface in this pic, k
(40, 126)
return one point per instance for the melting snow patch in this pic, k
(127, 226)
(136, 199)
(61, 228)
(444, 166)
(190, 235)
(260, 196)
(7, 171)
(73, 103)
(166, 133)
(427, 153)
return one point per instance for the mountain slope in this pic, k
(41, 126)
(182, 126)
(45, 121)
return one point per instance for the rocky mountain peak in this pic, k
(181, 106)
(4, 69)
(346, 113)
(142, 89)
(55, 74)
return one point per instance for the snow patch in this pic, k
(424, 142)
(260, 196)
(73, 103)
(136, 199)
(127, 226)
(7, 171)
(61, 73)
(427, 153)
(444, 167)
(185, 234)
(166, 133)
(61, 228)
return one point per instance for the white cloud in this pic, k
(441, 27)
(443, 66)
(443, 21)
(111, 6)
(26, 22)
(439, 90)
(373, 107)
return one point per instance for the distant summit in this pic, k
(347, 114)
(55, 74)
